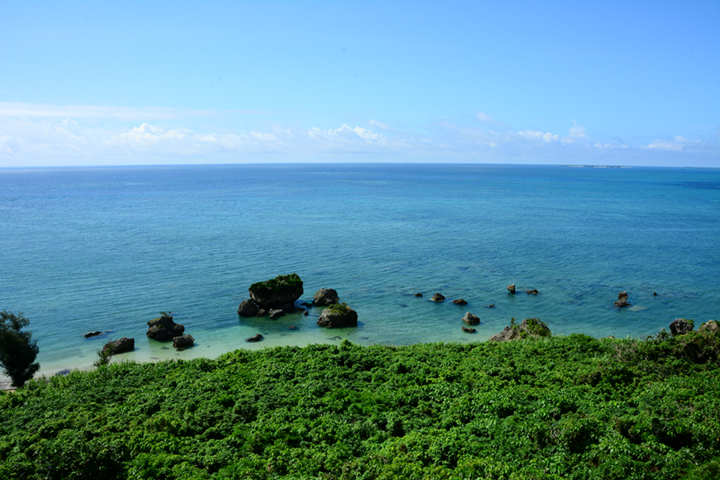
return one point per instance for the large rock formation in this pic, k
(120, 346)
(248, 308)
(183, 341)
(528, 327)
(164, 328)
(471, 319)
(710, 326)
(277, 292)
(337, 316)
(622, 300)
(680, 326)
(325, 297)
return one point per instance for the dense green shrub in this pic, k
(275, 284)
(17, 348)
(555, 407)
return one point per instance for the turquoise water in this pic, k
(108, 248)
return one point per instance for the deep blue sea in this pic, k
(108, 248)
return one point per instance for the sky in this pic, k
(573, 82)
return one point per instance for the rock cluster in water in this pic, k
(119, 346)
(164, 329)
(622, 300)
(274, 297)
(338, 316)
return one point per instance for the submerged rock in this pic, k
(622, 300)
(681, 326)
(277, 292)
(248, 308)
(325, 297)
(164, 328)
(468, 329)
(438, 298)
(120, 346)
(511, 288)
(532, 291)
(255, 338)
(338, 316)
(94, 333)
(183, 341)
(490, 306)
(460, 301)
(276, 313)
(471, 319)
(418, 294)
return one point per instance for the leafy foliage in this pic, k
(341, 308)
(17, 348)
(275, 284)
(556, 407)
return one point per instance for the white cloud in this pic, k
(150, 133)
(376, 124)
(576, 133)
(608, 145)
(485, 118)
(343, 132)
(545, 137)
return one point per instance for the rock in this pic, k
(532, 291)
(120, 346)
(460, 301)
(490, 306)
(278, 291)
(183, 341)
(418, 294)
(248, 308)
(438, 298)
(62, 373)
(710, 326)
(511, 288)
(471, 319)
(680, 326)
(337, 316)
(164, 328)
(622, 300)
(468, 329)
(92, 334)
(325, 297)
(507, 334)
(255, 338)
(276, 313)
(654, 294)
(262, 313)
(306, 313)
(528, 327)
(292, 327)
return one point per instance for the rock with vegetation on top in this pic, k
(681, 326)
(338, 316)
(120, 346)
(460, 301)
(255, 338)
(511, 288)
(438, 298)
(276, 292)
(164, 328)
(710, 326)
(622, 300)
(471, 319)
(248, 308)
(325, 297)
(183, 341)
(527, 328)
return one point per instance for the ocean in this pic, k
(108, 248)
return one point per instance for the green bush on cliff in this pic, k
(275, 284)
(539, 408)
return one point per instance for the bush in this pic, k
(17, 349)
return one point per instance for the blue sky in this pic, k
(107, 83)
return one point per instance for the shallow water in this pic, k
(108, 248)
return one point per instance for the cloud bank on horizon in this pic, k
(488, 82)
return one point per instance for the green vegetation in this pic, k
(275, 284)
(534, 326)
(539, 408)
(341, 308)
(17, 348)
